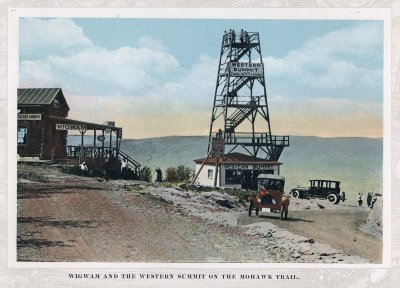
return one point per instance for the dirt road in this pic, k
(68, 221)
(63, 217)
(338, 228)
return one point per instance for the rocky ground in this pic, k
(64, 217)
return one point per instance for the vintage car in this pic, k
(325, 189)
(270, 197)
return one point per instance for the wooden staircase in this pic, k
(240, 115)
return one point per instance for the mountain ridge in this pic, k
(355, 161)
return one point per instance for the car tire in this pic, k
(332, 198)
(338, 199)
(250, 208)
(296, 194)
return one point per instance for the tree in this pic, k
(180, 170)
(145, 174)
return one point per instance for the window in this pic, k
(22, 135)
(233, 177)
(56, 103)
(210, 173)
(275, 184)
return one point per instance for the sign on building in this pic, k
(30, 117)
(239, 69)
(101, 138)
(217, 147)
(248, 166)
(71, 127)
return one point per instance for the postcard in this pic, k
(199, 147)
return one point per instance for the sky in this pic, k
(157, 77)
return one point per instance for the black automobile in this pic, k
(325, 189)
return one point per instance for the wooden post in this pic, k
(102, 145)
(116, 143)
(94, 143)
(216, 172)
(110, 143)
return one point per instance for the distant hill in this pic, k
(165, 152)
(356, 162)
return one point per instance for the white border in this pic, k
(194, 13)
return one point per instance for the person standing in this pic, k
(343, 197)
(360, 199)
(84, 168)
(124, 168)
(159, 174)
(369, 199)
(263, 193)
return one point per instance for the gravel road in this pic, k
(63, 217)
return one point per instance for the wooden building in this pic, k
(43, 129)
(36, 135)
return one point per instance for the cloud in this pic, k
(337, 60)
(96, 70)
(359, 40)
(147, 42)
(39, 37)
(148, 92)
(142, 87)
(196, 87)
(181, 107)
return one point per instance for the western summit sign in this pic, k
(70, 127)
(248, 166)
(239, 69)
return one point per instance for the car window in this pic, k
(272, 184)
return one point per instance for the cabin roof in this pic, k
(38, 96)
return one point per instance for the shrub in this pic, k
(171, 175)
(145, 174)
(179, 174)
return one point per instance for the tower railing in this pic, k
(240, 38)
(247, 139)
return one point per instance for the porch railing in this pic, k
(84, 152)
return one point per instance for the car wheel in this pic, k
(338, 199)
(295, 194)
(250, 208)
(332, 198)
